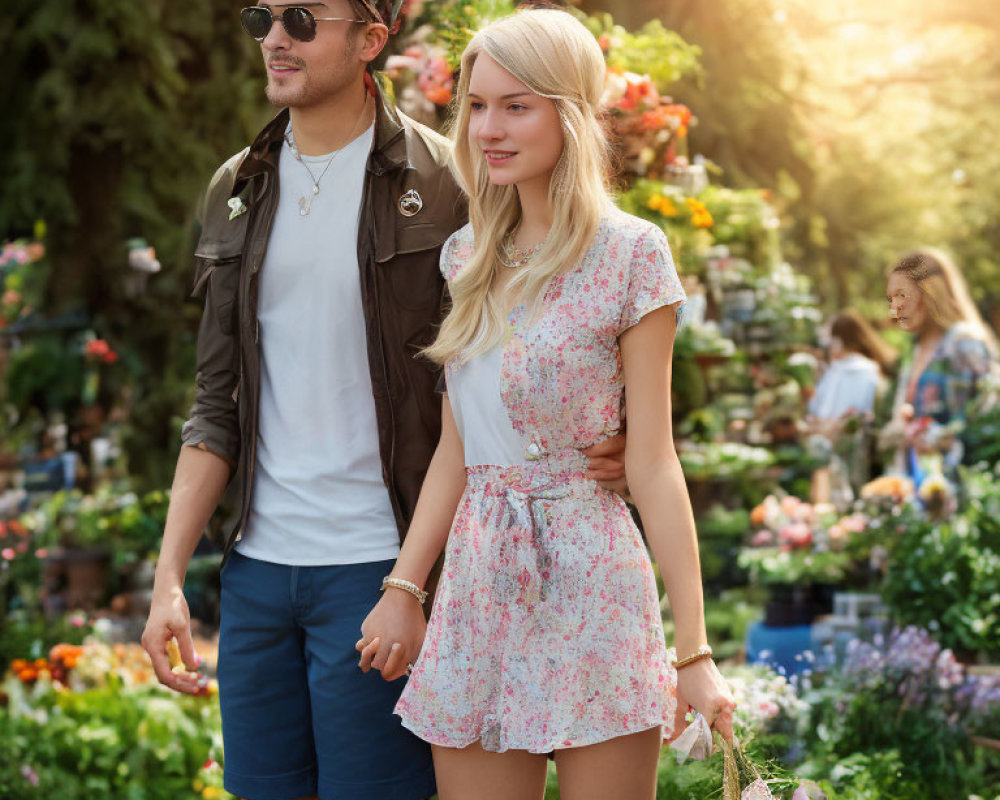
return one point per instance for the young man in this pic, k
(313, 409)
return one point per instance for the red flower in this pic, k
(99, 350)
(97, 347)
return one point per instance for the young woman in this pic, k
(953, 350)
(546, 633)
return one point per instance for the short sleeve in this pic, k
(972, 356)
(652, 279)
(455, 252)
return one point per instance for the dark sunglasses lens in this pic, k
(299, 23)
(256, 21)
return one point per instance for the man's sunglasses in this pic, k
(299, 23)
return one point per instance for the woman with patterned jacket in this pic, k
(546, 635)
(953, 352)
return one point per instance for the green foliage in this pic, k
(880, 775)
(108, 744)
(45, 374)
(794, 567)
(455, 22)
(28, 635)
(893, 719)
(944, 575)
(728, 616)
(981, 436)
(726, 459)
(120, 113)
(652, 50)
(129, 525)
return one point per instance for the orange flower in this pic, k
(702, 220)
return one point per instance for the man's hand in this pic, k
(392, 635)
(607, 464)
(170, 619)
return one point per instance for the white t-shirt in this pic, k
(480, 415)
(851, 382)
(318, 497)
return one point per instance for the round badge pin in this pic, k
(410, 203)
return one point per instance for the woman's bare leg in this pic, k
(623, 768)
(475, 774)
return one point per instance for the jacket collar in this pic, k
(388, 151)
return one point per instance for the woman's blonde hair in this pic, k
(556, 57)
(944, 290)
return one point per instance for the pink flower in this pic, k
(8, 553)
(797, 534)
(436, 81)
(768, 709)
(856, 523)
(762, 538)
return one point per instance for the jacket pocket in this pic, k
(220, 277)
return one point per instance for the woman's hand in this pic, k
(392, 634)
(701, 686)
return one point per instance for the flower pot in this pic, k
(796, 605)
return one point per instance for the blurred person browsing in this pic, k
(844, 404)
(953, 351)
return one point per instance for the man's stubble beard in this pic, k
(309, 93)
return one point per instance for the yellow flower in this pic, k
(702, 219)
(662, 204)
(211, 793)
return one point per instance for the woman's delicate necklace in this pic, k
(517, 257)
(305, 202)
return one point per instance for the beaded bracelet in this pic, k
(703, 652)
(406, 586)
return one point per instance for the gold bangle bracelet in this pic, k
(703, 652)
(406, 586)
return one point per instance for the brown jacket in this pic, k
(402, 292)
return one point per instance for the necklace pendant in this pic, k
(305, 203)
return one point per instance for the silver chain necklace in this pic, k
(305, 202)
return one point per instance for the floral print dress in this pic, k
(546, 629)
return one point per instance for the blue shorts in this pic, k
(298, 716)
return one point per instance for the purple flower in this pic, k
(29, 774)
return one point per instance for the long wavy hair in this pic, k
(943, 288)
(556, 57)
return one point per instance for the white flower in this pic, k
(236, 207)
